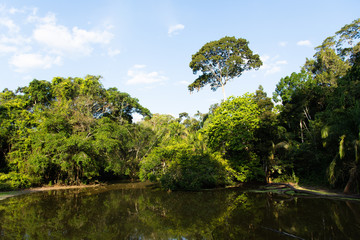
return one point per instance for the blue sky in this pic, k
(144, 47)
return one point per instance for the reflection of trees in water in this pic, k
(149, 214)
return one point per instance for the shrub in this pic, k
(14, 181)
(180, 167)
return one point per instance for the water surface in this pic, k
(118, 212)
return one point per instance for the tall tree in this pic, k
(69, 130)
(222, 60)
(231, 130)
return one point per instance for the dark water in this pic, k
(118, 213)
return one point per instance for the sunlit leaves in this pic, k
(222, 60)
(233, 124)
(69, 130)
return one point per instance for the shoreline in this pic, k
(280, 188)
(8, 194)
(314, 191)
(123, 184)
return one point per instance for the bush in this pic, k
(287, 178)
(180, 167)
(14, 181)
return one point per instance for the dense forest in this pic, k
(73, 130)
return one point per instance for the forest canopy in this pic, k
(73, 130)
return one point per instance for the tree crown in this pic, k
(222, 60)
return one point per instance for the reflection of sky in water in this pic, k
(144, 213)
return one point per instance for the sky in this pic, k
(144, 47)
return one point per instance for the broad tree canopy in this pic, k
(222, 60)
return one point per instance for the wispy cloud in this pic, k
(9, 24)
(113, 52)
(271, 65)
(139, 66)
(304, 43)
(175, 29)
(23, 62)
(138, 75)
(185, 83)
(45, 43)
(7, 49)
(283, 44)
(15, 10)
(59, 39)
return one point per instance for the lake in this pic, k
(131, 211)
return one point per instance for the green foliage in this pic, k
(73, 130)
(288, 85)
(327, 67)
(342, 122)
(232, 130)
(146, 214)
(267, 135)
(346, 41)
(181, 158)
(14, 181)
(222, 60)
(38, 92)
(233, 123)
(70, 131)
(292, 178)
(179, 166)
(123, 105)
(320, 112)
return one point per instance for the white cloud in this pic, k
(175, 29)
(24, 62)
(186, 83)
(139, 76)
(139, 66)
(9, 24)
(15, 10)
(50, 18)
(59, 38)
(264, 58)
(304, 43)
(14, 44)
(16, 40)
(113, 52)
(281, 62)
(43, 42)
(7, 49)
(282, 44)
(272, 70)
(271, 65)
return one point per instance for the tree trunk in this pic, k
(301, 132)
(349, 185)
(267, 176)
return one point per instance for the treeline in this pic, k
(320, 113)
(71, 131)
(68, 131)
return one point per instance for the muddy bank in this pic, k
(98, 187)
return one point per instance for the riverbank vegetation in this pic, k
(73, 130)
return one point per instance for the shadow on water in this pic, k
(118, 212)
